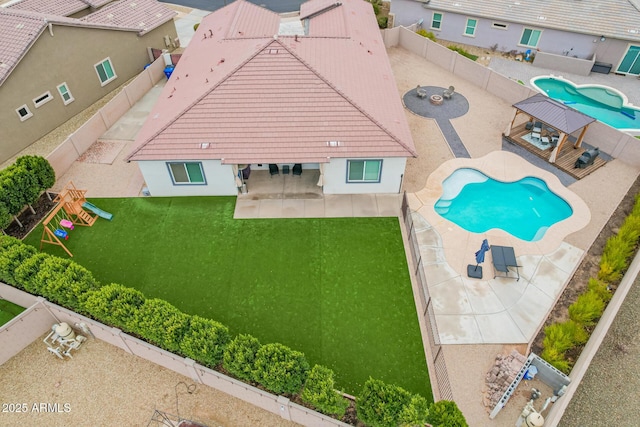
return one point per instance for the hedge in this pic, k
(381, 404)
(240, 356)
(116, 305)
(280, 369)
(161, 323)
(319, 391)
(205, 340)
(13, 255)
(445, 413)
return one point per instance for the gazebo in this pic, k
(555, 115)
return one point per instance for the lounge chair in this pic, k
(535, 135)
(537, 127)
(273, 169)
(297, 169)
(448, 93)
(504, 257)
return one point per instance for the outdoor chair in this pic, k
(537, 127)
(421, 93)
(504, 258)
(448, 93)
(535, 135)
(297, 169)
(273, 169)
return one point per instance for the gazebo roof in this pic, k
(554, 113)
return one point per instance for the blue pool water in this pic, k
(595, 101)
(477, 203)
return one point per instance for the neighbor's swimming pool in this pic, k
(603, 103)
(477, 203)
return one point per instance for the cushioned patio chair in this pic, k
(297, 169)
(273, 169)
(537, 127)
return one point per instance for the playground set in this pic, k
(69, 212)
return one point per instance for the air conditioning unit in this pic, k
(167, 41)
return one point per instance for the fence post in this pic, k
(284, 407)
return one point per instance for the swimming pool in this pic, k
(477, 203)
(603, 103)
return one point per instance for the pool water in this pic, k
(598, 102)
(477, 203)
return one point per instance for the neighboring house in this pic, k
(252, 89)
(53, 65)
(608, 29)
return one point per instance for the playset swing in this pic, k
(65, 216)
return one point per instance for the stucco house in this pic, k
(59, 57)
(608, 30)
(254, 88)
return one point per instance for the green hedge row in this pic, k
(382, 405)
(589, 306)
(21, 184)
(274, 366)
(428, 34)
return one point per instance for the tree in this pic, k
(41, 169)
(280, 369)
(240, 356)
(319, 391)
(445, 413)
(5, 216)
(380, 404)
(205, 341)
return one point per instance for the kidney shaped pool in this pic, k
(477, 203)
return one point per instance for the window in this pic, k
(42, 99)
(105, 71)
(364, 170)
(63, 89)
(470, 29)
(436, 21)
(24, 113)
(187, 173)
(530, 37)
(500, 25)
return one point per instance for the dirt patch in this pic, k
(29, 220)
(588, 268)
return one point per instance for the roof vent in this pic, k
(204, 145)
(334, 143)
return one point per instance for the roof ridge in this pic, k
(198, 99)
(348, 99)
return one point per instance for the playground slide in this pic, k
(96, 210)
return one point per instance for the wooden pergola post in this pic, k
(579, 141)
(513, 119)
(554, 154)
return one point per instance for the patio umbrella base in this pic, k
(474, 271)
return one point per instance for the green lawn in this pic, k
(8, 311)
(336, 289)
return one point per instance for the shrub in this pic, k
(5, 216)
(445, 413)
(205, 341)
(556, 359)
(280, 369)
(115, 305)
(11, 258)
(383, 21)
(616, 253)
(600, 288)
(428, 34)
(463, 52)
(25, 275)
(319, 391)
(195, 26)
(380, 404)
(416, 412)
(240, 355)
(563, 336)
(161, 323)
(72, 286)
(587, 308)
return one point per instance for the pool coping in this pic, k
(506, 167)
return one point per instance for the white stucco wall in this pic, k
(219, 178)
(335, 177)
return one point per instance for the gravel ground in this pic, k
(104, 386)
(605, 397)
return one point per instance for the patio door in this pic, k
(631, 62)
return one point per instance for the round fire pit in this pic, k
(436, 99)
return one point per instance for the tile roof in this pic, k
(266, 100)
(612, 18)
(20, 28)
(52, 7)
(554, 113)
(143, 15)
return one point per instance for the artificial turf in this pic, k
(336, 289)
(8, 311)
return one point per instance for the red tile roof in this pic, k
(143, 15)
(20, 28)
(249, 98)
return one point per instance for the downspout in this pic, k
(51, 29)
